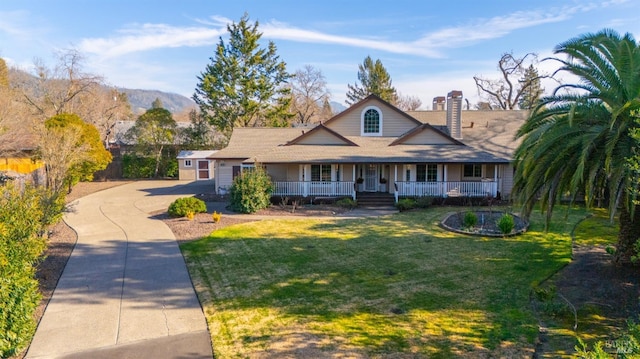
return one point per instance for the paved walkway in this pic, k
(125, 292)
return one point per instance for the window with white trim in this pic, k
(321, 173)
(472, 171)
(426, 173)
(371, 121)
(187, 163)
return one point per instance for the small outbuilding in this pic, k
(195, 165)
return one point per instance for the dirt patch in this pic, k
(589, 287)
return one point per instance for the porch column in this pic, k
(354, 173)
(395, 179)
(444, 180)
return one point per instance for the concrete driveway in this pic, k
(125, 291)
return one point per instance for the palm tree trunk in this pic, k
(628, 236)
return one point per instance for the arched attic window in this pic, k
(371, 122)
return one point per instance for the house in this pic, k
(374, 147)
(195, 165)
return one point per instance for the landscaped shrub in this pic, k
(406, 204)
(23, 217)
(506, 223)
(137, 167)
(181, 207)
(347, 202)
(470, 219)
(250, 191)
(424, 202)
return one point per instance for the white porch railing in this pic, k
(317, 189)
(447, 189)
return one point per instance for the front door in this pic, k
(370, 177)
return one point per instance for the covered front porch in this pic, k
(402, 180)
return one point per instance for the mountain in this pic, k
(337, 107)
(141, 100)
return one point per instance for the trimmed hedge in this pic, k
(182, 207)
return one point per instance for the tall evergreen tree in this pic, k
(373, 79)
(4, 74)
(531, 89)
(157, 103)
(579, 142)
(244, 85)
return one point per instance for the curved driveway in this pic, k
(125, 291)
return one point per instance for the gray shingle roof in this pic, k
(489, 140)
(492, 131)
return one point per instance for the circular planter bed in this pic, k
(486, 224)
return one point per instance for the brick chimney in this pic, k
(454, 109)
(438, 103)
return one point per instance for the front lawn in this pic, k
(397, 286)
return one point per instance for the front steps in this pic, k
(375, 199)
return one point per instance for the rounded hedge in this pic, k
(181, 207)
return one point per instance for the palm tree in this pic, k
(577, 141)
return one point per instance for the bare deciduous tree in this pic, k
(60, 149)
(309, 93)
(408, 102)
(63, 88)
(505, 92)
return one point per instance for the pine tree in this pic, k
(4, 74)
(531, 90)
(374, 79)
(244, 83)
(157, 103)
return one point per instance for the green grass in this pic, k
(597, 230)
(398, 286)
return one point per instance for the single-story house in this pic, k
(195, 165)
(374, 147)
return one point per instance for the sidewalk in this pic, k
(125, 291)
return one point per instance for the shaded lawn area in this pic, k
(395, 286)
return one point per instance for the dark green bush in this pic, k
(23, 218)
(250, 191)
(424, 202)
(181, 207)
(347, 202)
(137, 167)
(506, 223)
(406, 204)
(470, 219)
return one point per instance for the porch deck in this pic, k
(487, 188)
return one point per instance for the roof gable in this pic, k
(394, 121)
(425, 134)
(321, 135)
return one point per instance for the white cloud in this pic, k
(150, 37)
(146, 37)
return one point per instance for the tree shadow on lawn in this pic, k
(377, 285)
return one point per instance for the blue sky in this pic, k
(428, 47)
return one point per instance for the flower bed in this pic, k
(486, 224)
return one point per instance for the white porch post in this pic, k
(395, 179)
(353, 193)
(445, 169)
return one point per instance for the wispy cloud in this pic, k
(146, 37)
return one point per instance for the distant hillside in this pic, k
(141, 100)
(337, 107)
